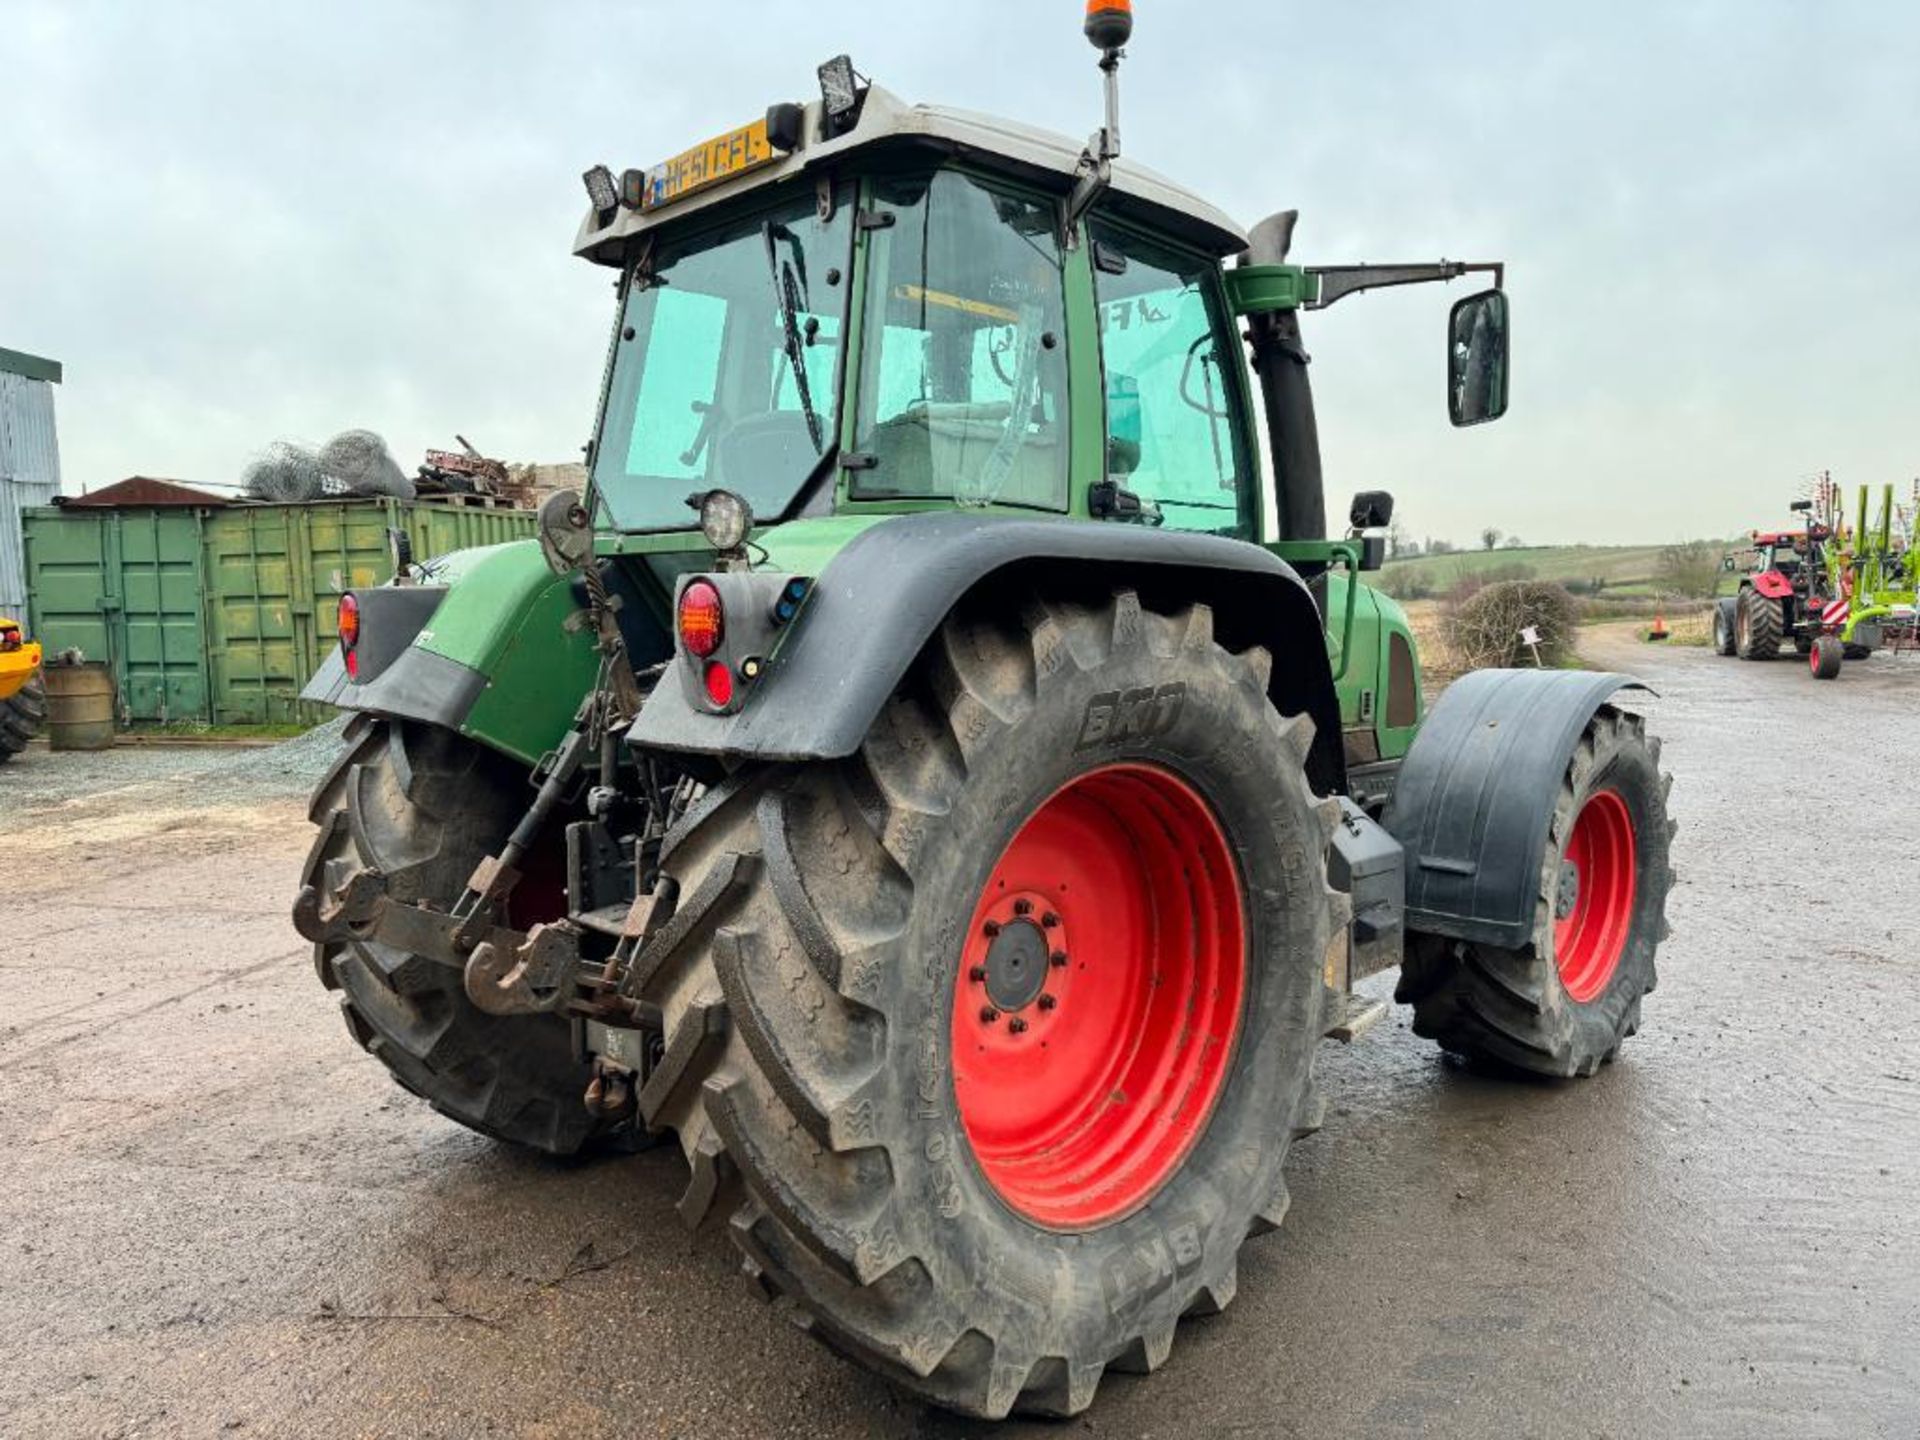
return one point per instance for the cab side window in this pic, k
(1172, 389)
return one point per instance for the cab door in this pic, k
(1175, 388)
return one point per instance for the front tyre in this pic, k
(1724, 624)
(991, 1038)
(1562, 1004)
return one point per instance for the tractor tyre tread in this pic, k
(1507, 1006)
(1725, 625)
(804, 1009)
(21, 717)
(1762, 626)
(421, 804)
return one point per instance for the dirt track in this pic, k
(220, 1217)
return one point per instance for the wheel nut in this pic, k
(1059, 959)
(1047, 1002)
(988, 1015)
(1023, 907)
(990, 929)
(977, 974)
(1050, 920)
(1017, 1025)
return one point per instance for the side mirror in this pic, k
(1372, 510)
(1373, 552)
(1477, 353)
(1801, 505)
(1728, 565)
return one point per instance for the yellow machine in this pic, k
(23, 695)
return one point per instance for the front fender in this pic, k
(881, 598)
(1476, 794)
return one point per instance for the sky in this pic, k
(236, 223)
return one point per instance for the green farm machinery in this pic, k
(943, 773)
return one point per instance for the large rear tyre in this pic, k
(1758, 625)
(21, 716)
(1562, 1004)
(990, 1040)
(423, 806)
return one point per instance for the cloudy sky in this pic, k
(241, 222)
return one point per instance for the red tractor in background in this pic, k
(1784, 577)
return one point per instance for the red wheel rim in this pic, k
(1084, 1086)
(1594, 913)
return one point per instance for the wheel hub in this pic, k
(1567, 898)
(1017, 966)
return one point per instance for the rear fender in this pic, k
(879, 601)
(1475, 797)
(495, 658)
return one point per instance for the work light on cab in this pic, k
(725, 519)
(703, 619)
(602, 193)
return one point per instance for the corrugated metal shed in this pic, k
(29, 462)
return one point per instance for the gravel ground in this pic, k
(221, 1218)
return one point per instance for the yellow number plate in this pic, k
(721, 158)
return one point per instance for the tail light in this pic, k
(9, 639)
(728, 626)
(350, 633)
(703, 619)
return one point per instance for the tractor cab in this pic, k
(857, 308)
(891, 307)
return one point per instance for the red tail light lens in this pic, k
(719, 685)
(703, 623)
(350, 634)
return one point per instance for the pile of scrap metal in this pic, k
(354, 462)
(466, 472)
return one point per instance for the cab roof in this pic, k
(888, 126)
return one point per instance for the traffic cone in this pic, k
(1659, 631)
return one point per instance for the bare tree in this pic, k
(1489, 538)
(1690, 569)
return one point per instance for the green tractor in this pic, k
(911, 778)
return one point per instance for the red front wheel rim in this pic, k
(1594, 910)
(1099, 996)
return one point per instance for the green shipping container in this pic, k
(222, 614)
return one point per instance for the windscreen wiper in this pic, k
(787, 288)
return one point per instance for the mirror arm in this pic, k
(1339, 281)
